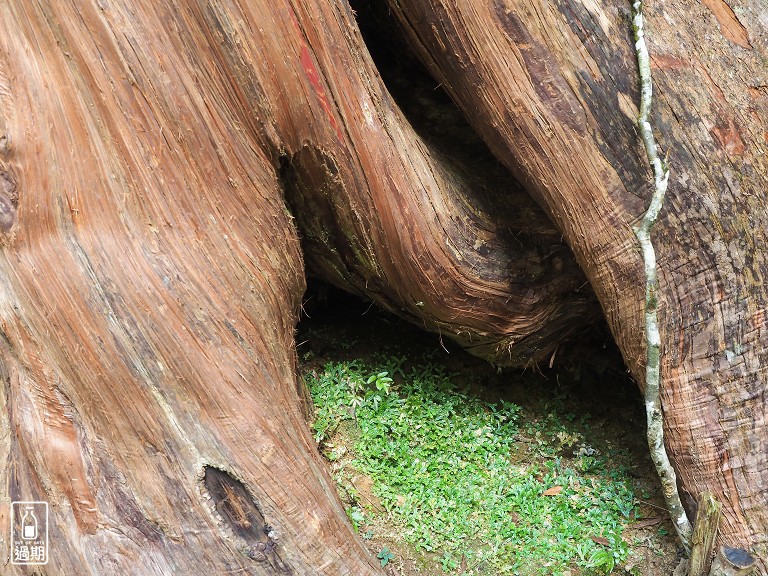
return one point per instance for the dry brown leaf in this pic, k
(600, 540)
(554, 491)
(645, 523)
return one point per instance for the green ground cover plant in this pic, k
(482, 487)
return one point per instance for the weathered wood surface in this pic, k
(704, 533)
(150, 279)
(552, 88)
(384, 213)
(152, 275)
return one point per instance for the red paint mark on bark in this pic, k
(728, 137)
(669, 62)
(730, 27)
(314, 79)
(725, 131)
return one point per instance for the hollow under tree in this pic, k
(152, 271)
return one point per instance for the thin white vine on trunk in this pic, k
(653, 340)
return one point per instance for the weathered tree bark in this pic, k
(551, 87)
(151, 279)
(703, 538)
(151, 272)
(386, 214)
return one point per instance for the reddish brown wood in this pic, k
(151, 279)
(151, 273)
(552, 88)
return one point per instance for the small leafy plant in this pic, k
(443, 466)
(385, 556)
(381, 381)
(357, 517)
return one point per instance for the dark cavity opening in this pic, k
(238, 509)
(428, 108)
(589, 370)
(234, 504)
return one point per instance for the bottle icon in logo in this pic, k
(29, 524)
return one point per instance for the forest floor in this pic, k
(447, 465)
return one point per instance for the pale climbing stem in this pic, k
(652, 339)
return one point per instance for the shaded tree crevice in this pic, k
(490, 243)
(258, 540)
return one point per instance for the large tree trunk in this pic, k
(151, 279)
(151, 272)
(552, 88)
